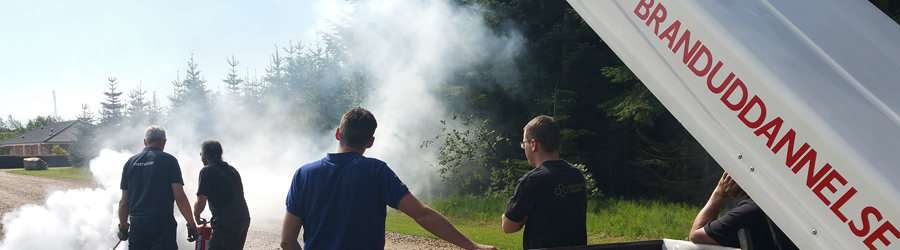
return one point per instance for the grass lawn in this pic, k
(81, 174)
(482, 232)
(609, 220)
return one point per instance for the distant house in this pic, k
(40, 141)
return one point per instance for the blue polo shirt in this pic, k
(341, 201)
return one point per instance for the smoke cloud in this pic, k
(411, 47)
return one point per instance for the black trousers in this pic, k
(226, 237)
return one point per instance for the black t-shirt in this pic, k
(750, 216)
(221, 183)
(148, 177)
(554, 199)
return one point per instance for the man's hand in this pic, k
(201, 221)
(123, 232)
(193, 234)
(729, 188)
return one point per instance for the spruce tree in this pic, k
(154, 110)
(190, 90)
(233, 82)
(111, 113)
(84, 149)
(138, 106)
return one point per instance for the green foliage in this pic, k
(138, 109)
(111, 113)
(83, 148)
(57, 150)
(190, 90)
(589, 183)
(465, 155)
(39, 122)
(504, 178)
(637, 104)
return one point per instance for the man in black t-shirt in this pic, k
(746, 215)
(552, 198)
(220, 184)
(151, 181)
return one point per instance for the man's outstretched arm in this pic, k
(709, 213)
(436, 223)
(290, 231)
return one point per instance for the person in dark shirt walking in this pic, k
(151, 182)
(552, 198)
(221, 186)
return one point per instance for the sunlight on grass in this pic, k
(80, 174)
(609, 220)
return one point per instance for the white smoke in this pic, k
(411, 46)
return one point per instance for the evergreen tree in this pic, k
(111, 114)
(84, 149)
(233, 82)
(138, 106)
(191, 90)
(195, 86)
(154, 110)
(252, 92)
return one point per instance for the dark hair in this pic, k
(545, 130)
(357, 127)
(213, 150)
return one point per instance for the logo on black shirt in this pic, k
(562, 190)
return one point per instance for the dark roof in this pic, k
(62, 132)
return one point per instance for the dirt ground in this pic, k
(18, 190)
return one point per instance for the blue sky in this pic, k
(73, 46)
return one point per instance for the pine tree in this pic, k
(233, 82)
(190, 90)
(154, 110)
(138, 106)
(195, 85)
(111, 112)
(84, 147)
(252, 92)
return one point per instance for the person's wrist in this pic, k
(124, 227)
(719, 193)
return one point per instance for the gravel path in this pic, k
(17, 190)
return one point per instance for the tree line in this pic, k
(613, 126)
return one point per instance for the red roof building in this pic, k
(40, 141)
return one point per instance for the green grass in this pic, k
(608, 220)
(483, 232)
(81, 174)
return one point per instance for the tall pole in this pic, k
(54, 104)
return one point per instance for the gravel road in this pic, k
(18, 190)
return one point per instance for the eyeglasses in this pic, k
(522, 144)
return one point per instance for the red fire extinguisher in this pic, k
(205, 233)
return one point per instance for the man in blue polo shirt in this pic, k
(340, 200)
(151, 182)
